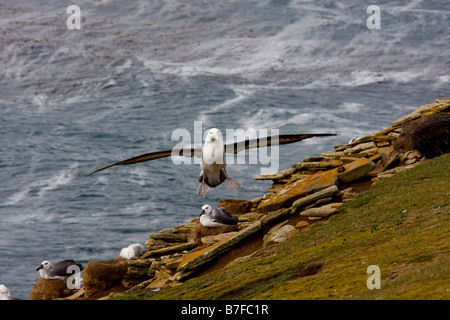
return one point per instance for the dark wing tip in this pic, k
(187, 152)
(102, 169)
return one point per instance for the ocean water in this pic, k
(73, 101)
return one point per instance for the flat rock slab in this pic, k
(171, 249)
(316, 182)
(281, 235)
(169, 237)
(315, 196)
(195, 259)
(323, 211)
(209, 240)
(426, 110)
(236, 206)
(356, 170)
(291, 192)
(317, 165)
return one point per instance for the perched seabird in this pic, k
(212, 153)
(58, 270)
(134, 250)
(211, 218)
(352, 140)
(5, 294)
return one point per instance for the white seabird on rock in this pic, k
(211, 218)
(213, 156)
(58, 270)
(134, 250)
(5, 294)
(352, 140)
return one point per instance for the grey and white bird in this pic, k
(212, 218)
(213, 164)
(134, 250)
(59, 270)
(5, 294)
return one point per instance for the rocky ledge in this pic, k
(309, 192)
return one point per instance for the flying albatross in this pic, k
(213, 172)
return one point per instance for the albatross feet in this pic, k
(231, 183)
(203, 189)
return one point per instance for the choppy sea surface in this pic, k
(73, 101)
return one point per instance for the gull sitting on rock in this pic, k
(134, 250)
(211, 218)
(59, 270)
(5, 294)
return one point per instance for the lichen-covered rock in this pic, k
(279, 175)
(137, 271)
(169, 237)
(209, 240)
(318, 165)
(315, 196)
(195, 259)
(162, 278)
(294, 191)
(201, 231)
(316, 182)
(282, 234)
(235, 206)
(356, 170)
(323, 211)
(170, 249)
(301, 224)
(425, 110)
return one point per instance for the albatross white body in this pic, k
(213, 164)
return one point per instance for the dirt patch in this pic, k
(246, 247)
(359, 186)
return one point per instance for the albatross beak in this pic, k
(216, 135)
(203, 212)
(40, 267)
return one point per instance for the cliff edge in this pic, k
(380, 200)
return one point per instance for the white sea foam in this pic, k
(208, 112)
(43, 186)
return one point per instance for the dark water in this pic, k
(72, 101)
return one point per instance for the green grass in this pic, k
(401, 225)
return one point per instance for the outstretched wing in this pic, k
(187, 152)
(273, 140)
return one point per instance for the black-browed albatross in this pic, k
(212, 153)
(212, 218)
(57, 270)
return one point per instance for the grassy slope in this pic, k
(401, 224)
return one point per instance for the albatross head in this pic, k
(213, 135)
(206, 209)
(44, 265)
